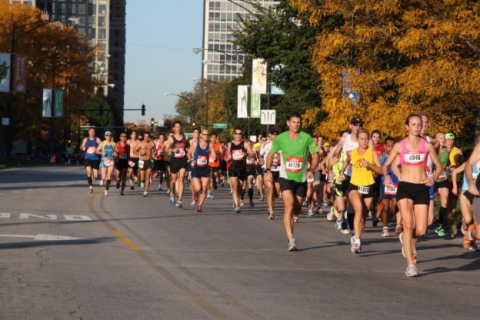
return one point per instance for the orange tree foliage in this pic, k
(57, 56)
(401, 57)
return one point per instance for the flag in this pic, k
(47, 103)
(259, 76)
(58, 104)
(255, 105)
(4, 72)
(242, 102)
(20, 76)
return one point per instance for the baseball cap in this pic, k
(326, 144)
(274, 131)
(449, 136)
(356, 120)
(108, 133)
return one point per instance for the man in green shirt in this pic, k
(294, 147)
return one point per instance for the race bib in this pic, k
(212, 160)
(91, 150)
(391, 191)
(123, 156)
(237, 154)
(131, 164)
(180, 153)
(310, 180)
(443, 175)
(202, 161)
(363, 190)
(108, 162)
(414, 158)
(250, 161)
(294, 164)
(140, 163)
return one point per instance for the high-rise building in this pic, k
(219, 58)
(103, 21)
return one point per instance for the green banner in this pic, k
(58, 107)
(255, 106)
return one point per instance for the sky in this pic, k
(161, 35)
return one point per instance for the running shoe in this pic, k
(199, 208)
(295, 219)
(159, 188)
(172, 201)
(411, 271)
(338, 224)
(222, 184)
(195, 196)
(331, 214)
(238, 210)
(132, 188)
(90, 189)
(145, 193)
(439, 230)
(398, 229)
(106, 193)
(142, 184)
(400, 237)
(291, 245)
(262, 198)
(168, 190)
(122, 193)
(193, 203)
(345, 231)
(310, 212)
(305, 203)
(101, 182)
(241, 203)
(252, 204)
(179, 204)
(356, 245)
(117, 185)
(209, 194)
(374, 221)
(324, 205)
(271, 215)
(385, 232)
(135, 181)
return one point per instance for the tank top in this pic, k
(200, 156)
(455, 160)
(443, 155)
(238, 152)
(123, 151)
(215, 162)
(180, 146)
(91, 149)
(475, 171)
(413, 158)
(107, 153)
(349, 145)
(160, 152)
(361, 176)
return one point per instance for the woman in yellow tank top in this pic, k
(365, 163)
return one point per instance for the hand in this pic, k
(454, 190)
(269, 176)
(473, 190)
(342, 177)
(429, 181)
(365, 163)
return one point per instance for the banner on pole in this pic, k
(58, 104)
(259, 76)
(4, 72)
(255, 105)
(20, 76)
(47, 103)
(242, 102)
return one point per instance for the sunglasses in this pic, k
(204, 134)
(238, 133)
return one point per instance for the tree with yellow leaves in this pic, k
(396, 57)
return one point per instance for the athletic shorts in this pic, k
(147, 164)
(120, 165)
(178, 164)
(365, 192)
(241, 174)
(258, 170)
(467, 195)
(276, 176)
(418, 192)
(95, 164)
(159, 165)
(299, 189)
(341, 189)
(201, 172)
(215, 169)
(251, 172)
(441, 184)
(135, 163)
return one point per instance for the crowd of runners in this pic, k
(357, 176)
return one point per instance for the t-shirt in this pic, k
(293, 160)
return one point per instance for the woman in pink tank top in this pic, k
(413, 188)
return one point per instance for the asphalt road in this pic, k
(67, 254)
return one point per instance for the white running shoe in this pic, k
(411, 271)
(385, 232)
(295, 219)
(193, 203)
(356, 245)
(100, 182)
(106, 193)
(310, 212)
(338, 224)
(90, 189)
(291, 245)
(159, 188)
(331, 215)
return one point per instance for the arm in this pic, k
(345, 164)
(168, 145)
(394, 167)
(376, 166)
(99, 149)
(474, 158)
(313, 165)
(436, 161)
(83, 147)
(339, 147)
(456, 171)
(395, 151)
(250, 152)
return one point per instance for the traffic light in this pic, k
(194, 124)
(143, 109)
(152, 123)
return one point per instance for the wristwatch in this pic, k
(267, 169)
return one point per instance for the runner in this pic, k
(429, 170)
(145, 150)
(456, 159)
(388, 194)
(442, 185)
(294, 146)
(91, 159)
(377, 204)
(214, 163)
(413, 188)
(133, 160)
(250, 168)
(107, 151)
(199, 153)
(361, 191)
(122, 150)
(195, 137)
(178, 145)
(159, 167)
(273, 186)
(237, 152)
